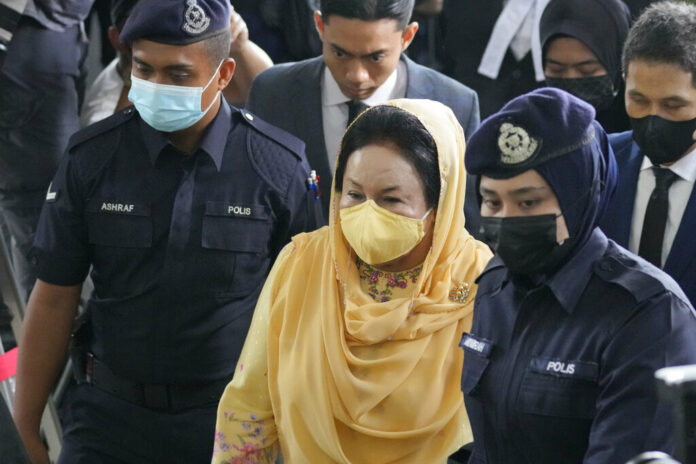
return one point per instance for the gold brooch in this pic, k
(460, 293)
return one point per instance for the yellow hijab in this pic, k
(354, 380)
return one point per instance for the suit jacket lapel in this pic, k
(683, 249)
(416, 86)
(309, 121)
(621, 215)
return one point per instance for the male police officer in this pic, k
(180, 205)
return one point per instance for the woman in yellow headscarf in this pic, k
(352, 355)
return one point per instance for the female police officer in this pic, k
(568, 327)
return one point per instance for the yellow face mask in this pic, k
(377, 235)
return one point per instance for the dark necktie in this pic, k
(656, 217)
(355, 107)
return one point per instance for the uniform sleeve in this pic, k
(60, 255)
(304, 204)
(245, 425)
(630, 418)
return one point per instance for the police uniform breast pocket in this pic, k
(235, 239)
(116, 223)
(477, 353)
(236, 227)
(559, 388)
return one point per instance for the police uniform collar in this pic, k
(213, 141)
(155, 141)
(215, 137)
(570, 281)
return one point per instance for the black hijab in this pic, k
(602, 25)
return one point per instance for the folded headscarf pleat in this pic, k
(353, 380)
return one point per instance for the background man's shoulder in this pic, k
(441, 84)
(429, 84)
(621, 141)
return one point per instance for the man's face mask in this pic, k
(377, 235)
(526, 244)
(661, 140)
(598, 91)
(169, 108)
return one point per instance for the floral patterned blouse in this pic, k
(384, 286)
(249, 450)
(244, 437)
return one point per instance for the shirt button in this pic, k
(128, 110)
(249, 116)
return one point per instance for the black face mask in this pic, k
(526, 244)
(661, 140)
(598, 91)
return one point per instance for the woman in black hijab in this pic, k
(568, 327)
(582, 42)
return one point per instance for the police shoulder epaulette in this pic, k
(642, 282)
(289, 141)
(101, 127)
(495, 264)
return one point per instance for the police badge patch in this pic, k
(515, 144)
(195, 20)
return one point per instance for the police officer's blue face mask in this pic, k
(169, 108)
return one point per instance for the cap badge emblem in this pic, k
(195, 19)
(515, 144)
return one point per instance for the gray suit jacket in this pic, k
(289, 96)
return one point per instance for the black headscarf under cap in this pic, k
(602, 25)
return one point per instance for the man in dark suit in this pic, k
(362, 64)
(653, 212)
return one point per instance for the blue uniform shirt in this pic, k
(180, 245)
(563, 373)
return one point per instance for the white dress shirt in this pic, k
(102, 97)
(334, 110)
(679, 194)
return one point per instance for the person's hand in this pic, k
(239, 32)
(38, 453)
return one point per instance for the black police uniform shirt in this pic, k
(563, 373)
(180, 245)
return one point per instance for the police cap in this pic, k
(176, 22)
(528, 131)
